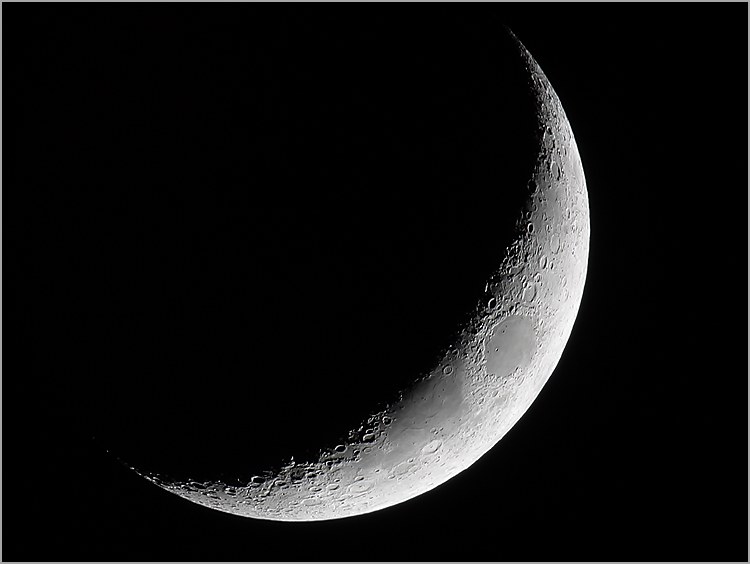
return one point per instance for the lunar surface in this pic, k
(506, 352)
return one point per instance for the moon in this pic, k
(485, 382)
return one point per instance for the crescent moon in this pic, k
(506, 353)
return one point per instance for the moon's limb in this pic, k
(482, 387)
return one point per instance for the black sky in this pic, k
(179, 185)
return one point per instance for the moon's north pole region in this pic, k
(506, 352)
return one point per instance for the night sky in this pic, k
(229, 230)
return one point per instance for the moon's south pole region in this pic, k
(506, 351)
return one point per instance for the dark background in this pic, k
(222, 227)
